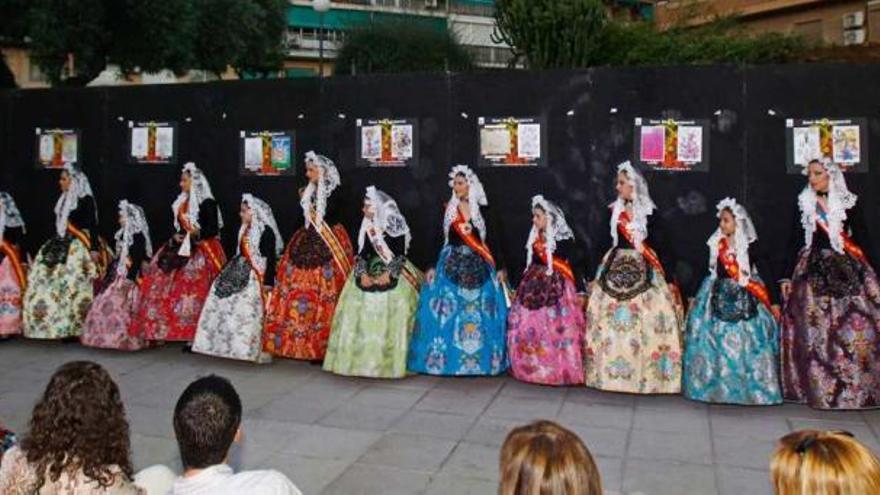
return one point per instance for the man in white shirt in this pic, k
(207, 420)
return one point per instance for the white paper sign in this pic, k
(371, 142)
(253, 153)
(139, 145)
(47, 148)
(529, 140)
(165, 142)
(402, 142)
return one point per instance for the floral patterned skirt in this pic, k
(731, 347)
(371, 330)
(10, 299)
(231, 325)
(59, 291)
(462, 318)
(545, 334)
(304, 298)
(633, 339)
(172, 299)
(110, 317)
(831, 333)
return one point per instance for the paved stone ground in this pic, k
(336, 435)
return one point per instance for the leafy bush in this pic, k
(579, 33)
(720, 42)
(401, 46)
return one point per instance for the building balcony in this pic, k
(484, 8)
(412, 7)
(309, 45)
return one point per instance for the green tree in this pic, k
(69, 39)
(153, 35)
(73, 40)
(244, 34)
(551, 34)
(401, 46)
(264, 51)
(14, 15)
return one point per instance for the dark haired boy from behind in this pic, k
(207, 420)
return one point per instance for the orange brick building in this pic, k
(837, 22)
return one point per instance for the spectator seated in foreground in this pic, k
(207, 420)
(812, 462)
(543, 458)
(78, 440)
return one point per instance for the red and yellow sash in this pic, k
(12, 253)
(210, 247)
(340, 258)
(79, 234)
(412, 276)
(849, 245)
(182, 217)
(560, 265)
(755, 288)
(213, 251)
(647, 251)
(472, 240)
(245, 247)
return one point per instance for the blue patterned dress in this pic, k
(461, 324)
(731, 346)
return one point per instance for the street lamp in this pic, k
(321, 6)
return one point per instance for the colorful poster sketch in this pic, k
(673, 145)
(267, 153)
(152, 142)
(387, 142)
(512, 141)
(843, 141)
(55, 147)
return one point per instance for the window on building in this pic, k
(810, 30)
(491, 56)
(295, 35)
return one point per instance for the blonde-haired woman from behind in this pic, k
(543, 458)
(812, 462)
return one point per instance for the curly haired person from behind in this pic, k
(207, 420)
(78, 441)
(812, 462)
(543, 458)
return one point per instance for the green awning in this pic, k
(297, 72)
(300, 16)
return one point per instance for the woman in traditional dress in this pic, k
(545, 335)
(376, 311)
(634, 317)
(12, 266)
(59, 287)
(176, 282)
(231, 325)
(108, 322)
(731, 339)
(831, 320)
(462, 318)
(311, 272)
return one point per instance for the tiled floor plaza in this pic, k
(428, 435)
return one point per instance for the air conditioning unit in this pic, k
(430, 4)
(853, 20)
(854, 37)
